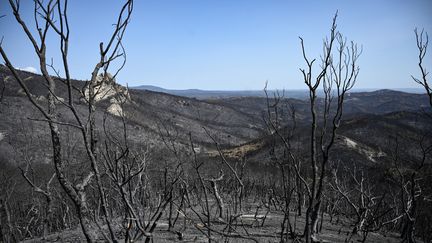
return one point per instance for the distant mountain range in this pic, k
(216, 94)
(209, 94)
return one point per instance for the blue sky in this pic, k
(234, 45)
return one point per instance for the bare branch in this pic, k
(422, 40)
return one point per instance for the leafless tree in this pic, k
(47, 193)
(356, 189)
(288, 161)
(235, 173)
(406, 198)
(52, 15)
(410, 180)
(337, 75)
(422, 40)
(7, 229)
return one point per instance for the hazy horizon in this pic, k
(143, 85)
(409, 89)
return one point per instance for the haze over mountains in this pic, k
(291, 93)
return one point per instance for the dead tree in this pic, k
(288, 161)
(337, 75)
(47, 194)
(7, 229)
(201, 190)
(408, 177)
(218, 197)
(411, 189)
(205, 206)
(128, 170)
(169, 135)
(52, 15)
(422, 40)
(237, 175)
(359, 194)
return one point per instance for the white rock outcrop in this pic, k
(107, 88)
